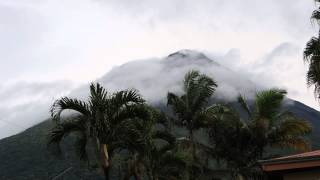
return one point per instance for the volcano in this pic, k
(26, 156)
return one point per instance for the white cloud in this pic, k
(155, 77)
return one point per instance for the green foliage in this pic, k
(311, 55)
(268, 103)
(231, 140)
(271, 126)
(192, 112)
(108, 120)
(63, 129)
(241, 143)
(123, 121)
(190, 106)
(159, 155)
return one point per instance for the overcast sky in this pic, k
(49, 47)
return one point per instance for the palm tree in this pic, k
(232, 142)
(106, 120)
(241, 143)
(311, 55)
(270, 126)
(191, 107)
(158, 157)
(163, 160)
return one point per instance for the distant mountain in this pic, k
(307, 113)
(26, 156)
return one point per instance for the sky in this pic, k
(50, 47)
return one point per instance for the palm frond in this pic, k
(128, 134)
(218, 112)
(97, 93)
(177, 104)
(189, 80)
(316, 15)
(291, 132)
(64, 128)
(268, 102)
(294, 127)
(81, 144)
(122, 98)
(298, 143)
(131, 112)
(191, 88)
(206, 86)
(312, 49)
(313, 75)
(66, 103)
(244, 104)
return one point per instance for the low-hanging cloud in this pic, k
(155, 77)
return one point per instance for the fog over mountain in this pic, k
(152, 77)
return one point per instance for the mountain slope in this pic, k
(311, 115)
(26, 156)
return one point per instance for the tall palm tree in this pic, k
(191, 107)
(270, 126)
(311, 55)
(106, 120)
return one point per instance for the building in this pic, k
(304, 166)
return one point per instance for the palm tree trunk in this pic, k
(105, 160)
(193, 154)
(193, 150)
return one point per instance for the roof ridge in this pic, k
(305, 154)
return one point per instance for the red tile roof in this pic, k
(298, 161)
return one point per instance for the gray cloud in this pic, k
(282, 50)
